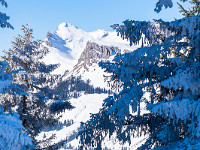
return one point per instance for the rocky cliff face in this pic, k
(94, 53)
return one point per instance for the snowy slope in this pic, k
(95, 74)
(84, 105)
(68, 42)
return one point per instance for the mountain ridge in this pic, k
(68, 42)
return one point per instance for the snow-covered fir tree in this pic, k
(169, 69)
(33, 81)
(12, 132)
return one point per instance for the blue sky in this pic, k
(89, 15)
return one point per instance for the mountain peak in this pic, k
(68, 42)
(65, 25)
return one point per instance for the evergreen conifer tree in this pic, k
(168, 69)
(33, 81)
(12, 135)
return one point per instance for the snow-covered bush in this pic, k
(12, 135)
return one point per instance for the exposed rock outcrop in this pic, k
(94, 53)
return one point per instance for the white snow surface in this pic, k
(69, 42)
(95, 74)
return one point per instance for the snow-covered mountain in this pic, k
(68, 42)
(78, 52)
